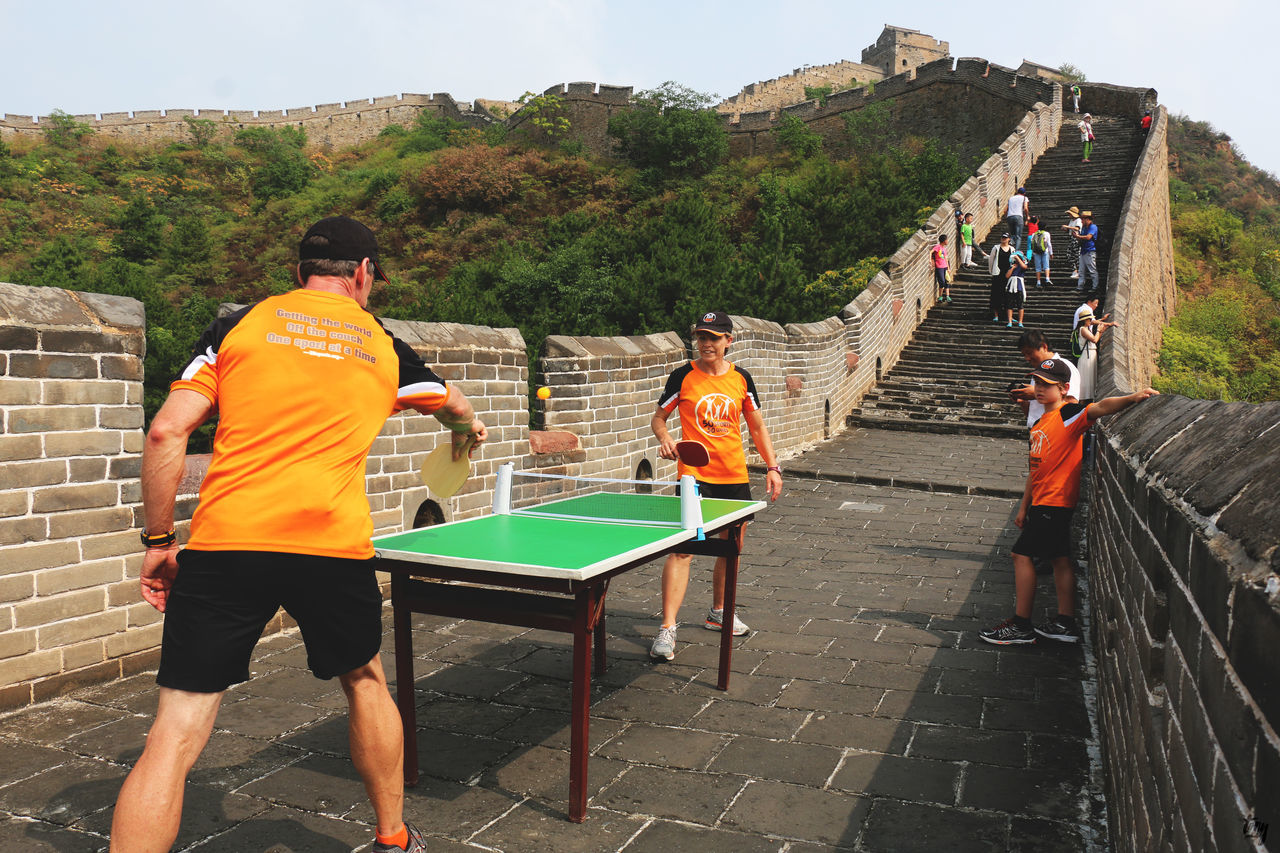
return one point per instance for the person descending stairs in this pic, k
(954, 374)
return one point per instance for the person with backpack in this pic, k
(1075, 96)
(1041, 252)
(1001, 261)
(1086, 136)
(1015, 291)
(1085, 337)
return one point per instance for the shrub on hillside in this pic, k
(670, 133)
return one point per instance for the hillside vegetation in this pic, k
(1224, 341)
(474, 227)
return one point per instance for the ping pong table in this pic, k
(548, 567)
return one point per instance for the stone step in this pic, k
(957, 426)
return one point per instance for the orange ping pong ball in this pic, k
(544, 392)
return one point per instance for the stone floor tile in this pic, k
(823, 696)
(665, 746)
(266, 718)
(552, 729)
(536, 771)
(958, 743)
(65, 793)
(870, 734)
(911, 779)
(34, 836)
(476, 682)
(801, 763)
(731, 717)
(531, 827)
(664, 836)
(1032, 835)
(287, 830)
(807, 667)
(1037, 792)
(666, 793)
(794, 811)
(919, 828)
(931, 708)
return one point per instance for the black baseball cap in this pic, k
(715, 322)
(1053, 371)
(340, 238)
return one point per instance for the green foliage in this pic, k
(64, 131)
(818, 92)
(546, 112)
(669, 134)
(281, 168)
(870, 128)
(796, 137)
(140, 231)
(1073, 73)
(202, 130)
(430, 132)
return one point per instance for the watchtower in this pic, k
(898, 49)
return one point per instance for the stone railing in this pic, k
(1183, 533)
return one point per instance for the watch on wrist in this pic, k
(774, 468)
(159, 540)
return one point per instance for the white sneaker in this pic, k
(664, 645)
(715, 622)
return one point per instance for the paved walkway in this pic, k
(864, 713)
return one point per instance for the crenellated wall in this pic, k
(1144, 292)
(329, 125)
(1185, 597)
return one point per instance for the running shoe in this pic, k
(948, 300)
(715, 622)
(1060, 628)
(664, 645)
(1008, 633)
(415, 844)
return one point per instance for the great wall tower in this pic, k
(1187, 623)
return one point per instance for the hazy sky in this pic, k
(1209, 60)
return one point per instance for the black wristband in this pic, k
(159, 540)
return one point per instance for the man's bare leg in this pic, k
(377, 742)
(149, 808)
(675, 581)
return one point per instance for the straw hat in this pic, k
(1073, 210)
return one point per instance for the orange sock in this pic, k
(399, 839)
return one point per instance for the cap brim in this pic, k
(377, 271)
(1038, 375)
(715, 332)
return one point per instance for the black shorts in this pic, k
(724, 491)
(940, 276)
(221, 601)
(1013, 301)
(1046, 532)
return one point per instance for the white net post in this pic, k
(690, 505)
(502, 490)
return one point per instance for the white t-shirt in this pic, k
(1036, 409)
(1017, 204)
(1086, 128)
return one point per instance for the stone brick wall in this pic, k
(70, 435)
(1183, 530)
(1144, 295)
(789, 89)
(329, 125)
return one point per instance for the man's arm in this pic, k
(764, 444)
(164, 457)
(1111, 405)
(459, 416)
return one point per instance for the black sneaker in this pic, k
(416, 843)
(1008, 633)
(1060, 628)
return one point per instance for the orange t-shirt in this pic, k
(710, 408)
(1057, 454)
(303, 383)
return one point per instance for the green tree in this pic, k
(59, 263)
(667, 134)
(282, 168)
(1073, 73)
(63, 131)
(140, 231)
(796, 136)
(202, 130)
(546, 112)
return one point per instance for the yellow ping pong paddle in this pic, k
(443, 474)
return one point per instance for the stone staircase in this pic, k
(952, 376)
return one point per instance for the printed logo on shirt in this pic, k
(716, 414)
(1038, 438)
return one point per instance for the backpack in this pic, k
(1040, 242)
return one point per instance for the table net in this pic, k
(647, 502)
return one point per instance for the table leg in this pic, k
(580, 705)
(599, 657)
(730, 604)
(402, 620)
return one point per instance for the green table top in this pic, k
(535, 542)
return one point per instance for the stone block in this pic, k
(51, 419)
(30, 558)
(28, 475)
(17, 587)
(19, 392)
(44, 366)
(17, 531)
(84, 393)
(94, 443)
(82, 655)
(1210, 584)
(553, 441)
(122, 367)
(79, 576)
(81, 341)
(16, 338)
(120, 417)
(89, 470)
(46, 611)
(15, 447)
(78, 496)
(1254, 642)
(135, 640)
(71, 631)
(17, 643)
(30, 666)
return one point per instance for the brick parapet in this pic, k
(1144, 290)
(1187, 613)
(331, 125)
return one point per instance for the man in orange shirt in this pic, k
(711, 394)
(302, 383)
(1050, 497)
